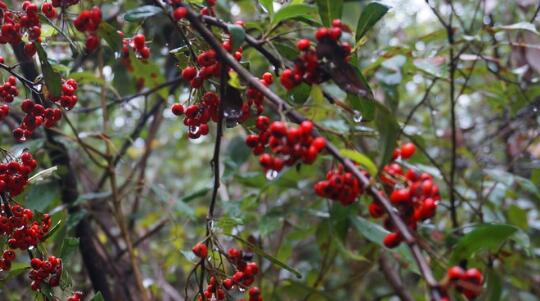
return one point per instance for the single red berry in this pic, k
(200, 250)
(278, 129)
(337, 23)
(228, 283)
(392, 240)
(455, 273)
(319, 143)
(177, 109)
(138, 41)
(189, 73)
(321, 33)
(303, 44)
(268, 78)
(400, 196)
(407, 150)
(180, 13)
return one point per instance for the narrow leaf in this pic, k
(361, 159)
(373, 12)
(482, 238)
(329, 10)
(141, 13)
(292, 11)
(52, 79)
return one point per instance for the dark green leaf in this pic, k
(292, 11)
(98, 297)
(329, 10)
(482, 238)
(494, 287)
(52, 79)
(388, 132)
(41, 195)
(69, 245)
(238, 34)
(373, 12)
(375, 233)
(141, 13)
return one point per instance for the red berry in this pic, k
(321, 33)
(177, 109)
(400, 196)
(319, 143)
(455, 273)
(392, 240)
(336, 23)
(268, 78)
(200, 250)
(303, 44)
(180, 13)
(407, 150)
(278, 129)
(138, 41)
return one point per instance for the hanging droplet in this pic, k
(357, 116)
(271, 175)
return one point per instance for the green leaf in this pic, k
(292, 11)
(517, 216)
(494, 287)
(40, 196)
(110, 35)
(52, 79)
(375, 233)
(373, 12)
(360, 159)
(268, 5)
(388, 132)
(52, 230)
(484, 237)
(329, 10)
(69, 245)
(238, 34)
(141, 13)
(518, 26)
(269, 257)
(98, 297)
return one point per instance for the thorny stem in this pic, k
(276, 101)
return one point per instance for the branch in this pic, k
(282, 106)
(393, 278)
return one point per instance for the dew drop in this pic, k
(271, 174)
(357, 117)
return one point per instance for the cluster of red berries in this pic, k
(8, 90)
(288, 144)
(64, 3)
(7, 258)
(255, 98)
(21, 229)
(68, 98)
(14, 174)
(16, 23)
(243, 277)
(180, 12)
(138, 43)
(88, 21)
(48, 10)
(340, 185)
(414, 195)
(468, 282)
(36, 115)
(75, 297)
(48, 271)
(198, 115)
(307, 65)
